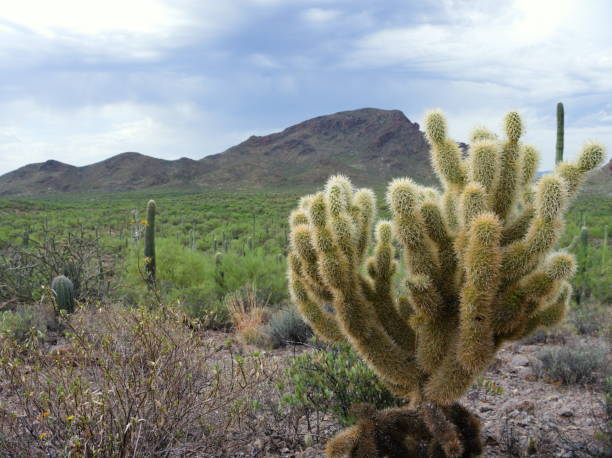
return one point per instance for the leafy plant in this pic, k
(22, 324)
(332, 381)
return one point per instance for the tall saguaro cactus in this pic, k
(481, 270)
(149, 249)
(560, 132)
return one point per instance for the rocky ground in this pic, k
(522, 414)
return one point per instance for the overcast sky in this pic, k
(84, 80)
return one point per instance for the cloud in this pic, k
(264, 61)
(115, 30)
(318, 16)
(542, 49)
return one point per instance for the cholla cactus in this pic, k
(480, 266)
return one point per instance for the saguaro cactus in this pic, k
(560, 132)
(149, 249)
(63, 289)
(480, 266)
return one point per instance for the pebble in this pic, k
(519, 360)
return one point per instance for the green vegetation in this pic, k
(332, 380)
(207, 245)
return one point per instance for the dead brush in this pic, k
(249, 313)
(128, 383)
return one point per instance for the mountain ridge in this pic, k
(370, 145)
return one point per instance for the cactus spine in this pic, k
(63, 290)
(560, 132)
(149, 248)
(480, 271)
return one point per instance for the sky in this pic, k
(83, 80)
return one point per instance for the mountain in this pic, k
(600, 182)
(369, 145)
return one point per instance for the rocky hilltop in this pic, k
(369, 145)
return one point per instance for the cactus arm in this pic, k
(445, 153)
(482, 266)
(551, 314)
(303, 249)
(344, 443)
(591, 156)
(409, 228)
(505, 193)
(383, 268)
(529, 295)
(517, 229)
(437, 231)
(530, 160)
(450, 209)
(434, 337)
(520, 258)
(322, 322)
(451, 380)
(484, 164)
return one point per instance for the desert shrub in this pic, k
(128, 383)
(81, 258)
(22, 324)
(287, 326)
(577, 362)
(332, 380)
(558, 335)
(590, 319)
(249, 314)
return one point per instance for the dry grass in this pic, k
(249, 314)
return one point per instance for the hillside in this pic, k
(369, 145)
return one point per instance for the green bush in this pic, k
(194, 280)
(574, 363)
(22, 324)
(331, 381)
(287, 326)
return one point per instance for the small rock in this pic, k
(567, 413)
(519, 360)
(525, 372)
(524, 406)
(60, 349)
(485, 409)
(491, 441)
